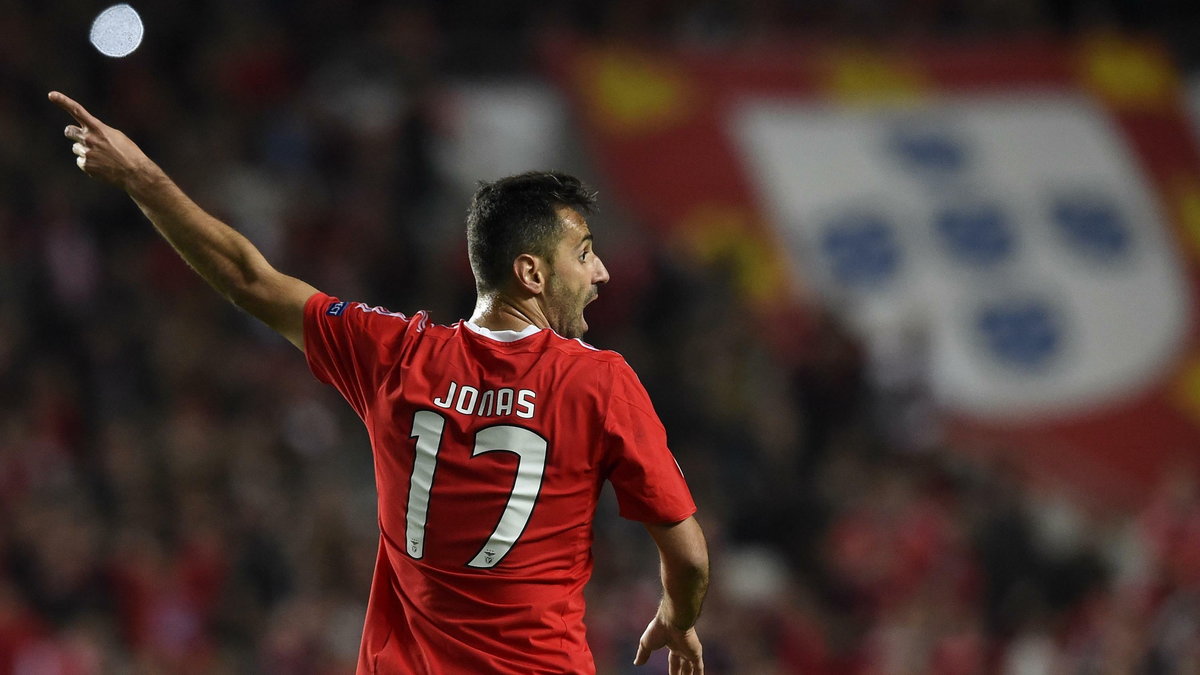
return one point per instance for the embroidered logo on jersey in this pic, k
(337, 308)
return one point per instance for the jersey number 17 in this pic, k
(529, 447)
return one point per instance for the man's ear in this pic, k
(531, 273)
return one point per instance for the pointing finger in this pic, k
(642, 655)
(73, 108)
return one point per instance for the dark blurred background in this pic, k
(179, 495)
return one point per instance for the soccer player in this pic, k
(491, 437)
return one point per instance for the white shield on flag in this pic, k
(1017, 233)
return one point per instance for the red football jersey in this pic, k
(490, 451)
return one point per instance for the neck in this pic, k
(500, 311)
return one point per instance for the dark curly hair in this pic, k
(516, 215)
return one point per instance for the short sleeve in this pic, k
(648, 482)
(346, 345)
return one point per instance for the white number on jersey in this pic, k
(530, 450)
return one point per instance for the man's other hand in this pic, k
(102, 151)
(684, 646)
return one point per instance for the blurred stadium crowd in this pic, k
(178, 495)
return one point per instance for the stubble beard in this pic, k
(568, 310)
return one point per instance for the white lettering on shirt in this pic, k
(448, 398)
(504, 399)
(465, 406)
(525, 400)
(502, 402)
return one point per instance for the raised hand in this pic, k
(102, 151)
(227, 260)
(685, 652)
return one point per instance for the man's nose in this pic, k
(601, 276)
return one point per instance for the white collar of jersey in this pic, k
(503, 335)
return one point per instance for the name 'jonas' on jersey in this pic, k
(469, 400)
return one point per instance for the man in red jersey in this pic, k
(492, 437)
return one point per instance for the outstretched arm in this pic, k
(225, 258)
(684, 557)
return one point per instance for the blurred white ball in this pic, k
(117, 31)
